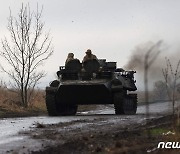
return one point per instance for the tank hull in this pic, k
(84, 94)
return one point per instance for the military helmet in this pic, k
(88, 51)
(70, 55)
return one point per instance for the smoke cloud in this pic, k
(136, 62)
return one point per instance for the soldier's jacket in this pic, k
(86, 57)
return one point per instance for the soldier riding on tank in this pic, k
(89, 56)
(69, 57)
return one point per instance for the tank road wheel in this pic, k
(51, 103)
(125, 104)
(118, 103)
(130, 104)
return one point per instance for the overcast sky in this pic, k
(110, 28)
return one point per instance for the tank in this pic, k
(93, 82)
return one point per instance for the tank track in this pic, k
(118, 103)
(125, 104)
(130, 104)
(60, 109)
(51, 104)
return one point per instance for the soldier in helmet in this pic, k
(69, 58)
(89, 56)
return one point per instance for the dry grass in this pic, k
(10, 104)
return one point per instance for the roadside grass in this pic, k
(158, 131)
(139, 142)
(173, 135)
(171, 129)
(10, 104)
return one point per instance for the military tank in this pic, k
(91, 82)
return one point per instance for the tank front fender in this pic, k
(51, 90)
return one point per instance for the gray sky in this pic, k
(110, 28)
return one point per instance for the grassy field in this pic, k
(10, 104)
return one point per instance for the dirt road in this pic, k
(31, 134)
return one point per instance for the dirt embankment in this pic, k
(107, 138)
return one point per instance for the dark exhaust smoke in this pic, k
(136, 61)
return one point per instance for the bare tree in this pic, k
(150, 57)
(171, 77)
(26, 51)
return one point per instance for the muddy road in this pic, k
(27, 135)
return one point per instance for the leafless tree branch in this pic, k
(26, 51)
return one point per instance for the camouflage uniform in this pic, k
(69, 58)
(89, 56)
